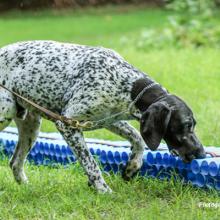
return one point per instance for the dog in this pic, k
(94, 84)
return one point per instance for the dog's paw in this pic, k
(21, 178)
(100, 187)
(128, 174)
(19, 175)
(130, 171)
(104, 189)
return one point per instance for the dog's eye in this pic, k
(188, 125)
(184, 127)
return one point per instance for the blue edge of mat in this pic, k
(51, 149)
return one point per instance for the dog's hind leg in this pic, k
(128, 132)
(75, 140)
(28, 130)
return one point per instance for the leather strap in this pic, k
(212, 154)
(55, 117)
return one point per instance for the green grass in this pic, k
(93, 27)
(191, 74)
(63, 194)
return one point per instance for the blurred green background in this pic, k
(175, 42)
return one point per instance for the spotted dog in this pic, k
(89, 84)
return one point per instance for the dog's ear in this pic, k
(154, 122)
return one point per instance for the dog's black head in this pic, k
(172, 120)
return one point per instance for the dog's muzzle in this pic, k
(188, 157)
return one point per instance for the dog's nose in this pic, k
(201, 156)
(200, 153)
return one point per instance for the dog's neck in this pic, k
(150, 96)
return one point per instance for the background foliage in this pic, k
(31, 4)
(27, 4)
(190, 25)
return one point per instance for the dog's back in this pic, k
(49, 73)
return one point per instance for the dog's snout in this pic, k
(200, 153)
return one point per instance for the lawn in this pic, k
(191, 74)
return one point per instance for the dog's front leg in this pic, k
(128, 132)
(75, 140)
